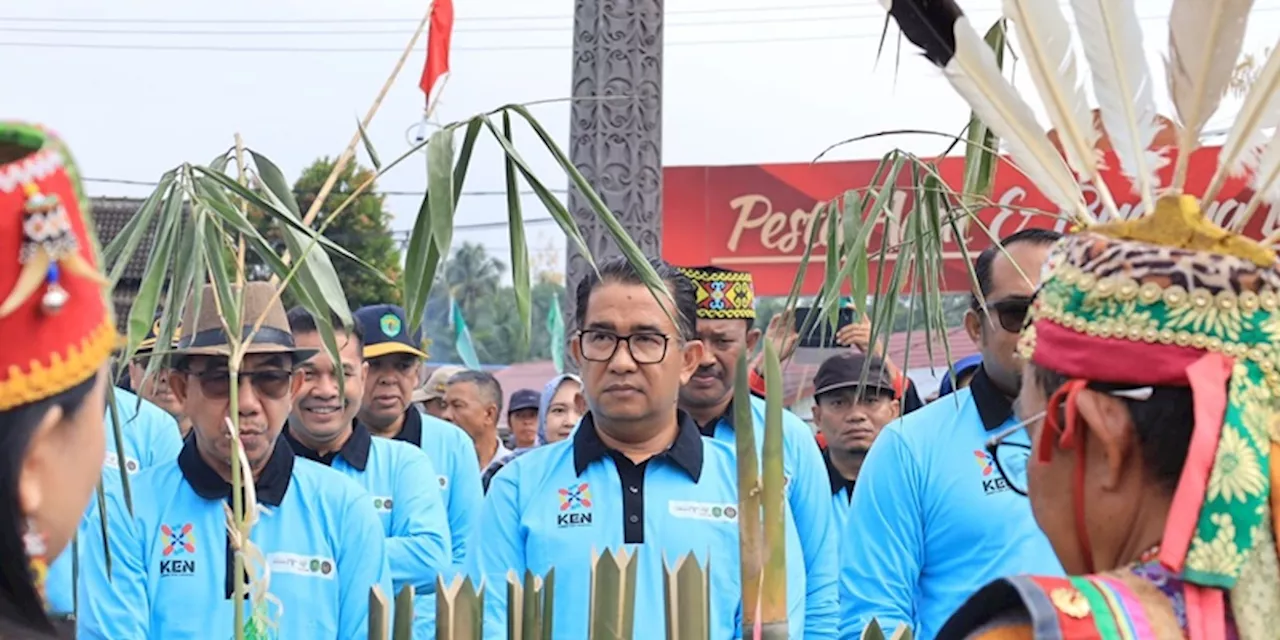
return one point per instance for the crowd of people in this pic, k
(1106, 468)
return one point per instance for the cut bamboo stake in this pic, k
(243, 178)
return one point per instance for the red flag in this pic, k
(438, 37)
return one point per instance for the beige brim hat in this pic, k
(434, 386)
(208, 338)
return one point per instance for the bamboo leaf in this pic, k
(520, 273)
(440, 189)
(102, 522)
(750, 533)
(117, 432)
(143, 312)
(980, 155)
(368, 146)
(464, 156)
(119, 252)
(277, 185)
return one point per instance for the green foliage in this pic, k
(475, 279)
(364, 229)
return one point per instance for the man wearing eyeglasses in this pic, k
(943, 520)
(172, 563)
(726, 318)
(398, 475)
(636, 475)
(394, 353)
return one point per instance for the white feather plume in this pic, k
(1112, 40)
(1266, 181)
(1261, 110)
(1204, 45)
(1045, 40)
(976, 76)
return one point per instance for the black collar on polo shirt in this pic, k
(709, 429)
(838, 481)
(994, 407)
(411, 430)
(270, 486)
(355, 450)
(685, 452)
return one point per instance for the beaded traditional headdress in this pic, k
(53, 312)
(1168, 298)
(722, 293)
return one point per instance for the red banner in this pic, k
(758, 218)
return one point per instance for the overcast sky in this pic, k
(745, 82)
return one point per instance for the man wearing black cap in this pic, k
(854, 399)
(522, 418)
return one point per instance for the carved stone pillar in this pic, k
(615, 131)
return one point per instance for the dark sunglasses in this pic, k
(1011, 313)
(271, 383)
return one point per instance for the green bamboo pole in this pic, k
(459, 610)
(379, 616)
(613, 591)
(548, 602)
(750, 534)
(237, 494)
(402, 627)
(774, 584)
(687, 592)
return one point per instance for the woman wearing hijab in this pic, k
(561, 406)
(52, 370)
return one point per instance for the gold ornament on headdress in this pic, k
(49, 245)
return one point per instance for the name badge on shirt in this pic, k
(716, 512)
(382, 503)
(299, 565)
(113, 462)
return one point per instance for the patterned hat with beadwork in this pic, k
(1170, 299)
(52, 297)
(722, 294)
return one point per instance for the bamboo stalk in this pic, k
(750, 534)
(379, 616)
(687, 591)
(237, 493)
(459, 610)
(368, 118)
(613, 591)
(402, 625)
(774, 584)
(243, 178)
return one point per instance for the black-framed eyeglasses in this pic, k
(1011, 458)
(1011, 313)
(644, 347)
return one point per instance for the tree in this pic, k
(472, 276)
(363, 229)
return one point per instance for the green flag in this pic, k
(555, 329)
(462, 338)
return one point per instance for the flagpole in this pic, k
(368, 118)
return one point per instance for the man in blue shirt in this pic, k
(635, 475)
(398, 476)
(932, 521)
(726, 313)
(854, 398)
(395, 357)
(155, 387)
(316, 533)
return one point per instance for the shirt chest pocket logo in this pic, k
(575, 506)
(300, 565)
(711, 511)
(177, 555)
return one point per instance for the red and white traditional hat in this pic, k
(54, 316)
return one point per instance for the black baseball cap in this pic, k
(524, 399)
(845, 370)
(385, 332)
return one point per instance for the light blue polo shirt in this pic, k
(932, 520)
(402, 485)
(841, 493)
(170, 563)
(812, 537)
(557, 505)
(453, 454)
(150, 437)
